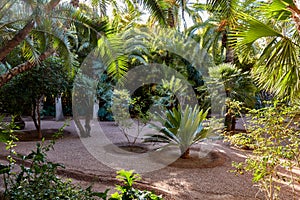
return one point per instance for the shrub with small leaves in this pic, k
(275, 138)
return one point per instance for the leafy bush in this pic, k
(126, 191)
(121, 103)
(182, 128)
(39, 181)
(275, 137)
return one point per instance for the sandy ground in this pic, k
(205, 178)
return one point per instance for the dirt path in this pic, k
(179, 181)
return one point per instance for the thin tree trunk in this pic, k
(36, 117)
(183, 2)
(4, 78)
(171, 18)
(39, 130)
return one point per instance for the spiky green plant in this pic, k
(180, 127)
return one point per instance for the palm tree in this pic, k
(238, 86)
(275, 34)
(214, 33)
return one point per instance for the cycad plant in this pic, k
(180, 127)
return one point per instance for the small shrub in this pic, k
(126, 191)
(39, 181)
(275, 139)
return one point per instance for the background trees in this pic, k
(261, 39)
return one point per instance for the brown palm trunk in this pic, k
(23, 33)
(171, 18)
(185, 153)
(4, 78)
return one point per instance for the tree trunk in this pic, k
(171, 18)
(16, 40)
(39, 130)
(185, 153)
(23, 33)
(295, 9)
(183, 4)
(36, 117)
(4, 78)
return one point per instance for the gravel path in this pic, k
(189, 183)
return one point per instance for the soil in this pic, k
(48, 134)
(202, 176)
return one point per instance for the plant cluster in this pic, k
(122, 102)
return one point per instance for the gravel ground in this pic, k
(181, 180)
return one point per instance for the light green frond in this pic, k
(157, 8)
(29, 50)
(253, 31)
(111, 52)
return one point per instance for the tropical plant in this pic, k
(238, 87)
(37, 178)
(273, 33)
(46, 38)
(126, 191)
(181, 128)
(25, 92)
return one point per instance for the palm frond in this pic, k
(111, 52)
(157, 8)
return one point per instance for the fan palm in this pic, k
(181, 128)
(277, 66)
(213, 34)
(238, 85)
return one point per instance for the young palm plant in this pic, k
(181, 128)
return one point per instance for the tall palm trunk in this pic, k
(295, 9)
(171, 18)
(4, 78)
(23, 33)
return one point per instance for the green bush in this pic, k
(126, 191)
(275, 138)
